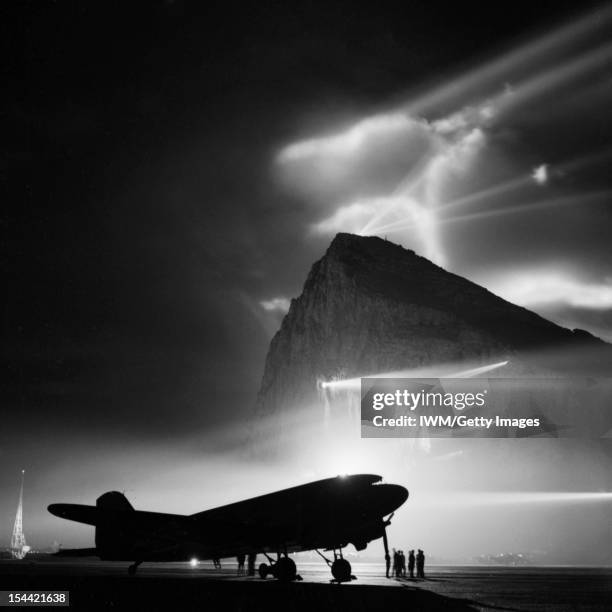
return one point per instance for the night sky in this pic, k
(156, 219)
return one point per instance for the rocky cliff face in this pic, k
(370, 306)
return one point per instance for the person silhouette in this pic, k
(411, 561)
(251, 559)
(420, 564)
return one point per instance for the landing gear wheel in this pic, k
(341, 570)
(286, 571)
(264, 570)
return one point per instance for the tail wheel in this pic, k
(341, 570)
(263, 570)
(286, 571)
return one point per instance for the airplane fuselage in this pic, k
(326, 514)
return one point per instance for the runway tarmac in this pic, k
(99, 585)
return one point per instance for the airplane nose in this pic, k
(391, 497)
(399, 495)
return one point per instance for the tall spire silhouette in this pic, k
(19, 548)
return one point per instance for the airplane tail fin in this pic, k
(113, 500)
(113, 517)
(114, 536)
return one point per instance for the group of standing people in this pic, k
(250, 559)
(399, 564)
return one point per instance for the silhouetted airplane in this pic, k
(326, 514)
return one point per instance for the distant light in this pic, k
(478, 371)
(354, 384)
(342, 475)
(540, 174)
(524, 497)
(194, 562)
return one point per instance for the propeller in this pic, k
(385, 540)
